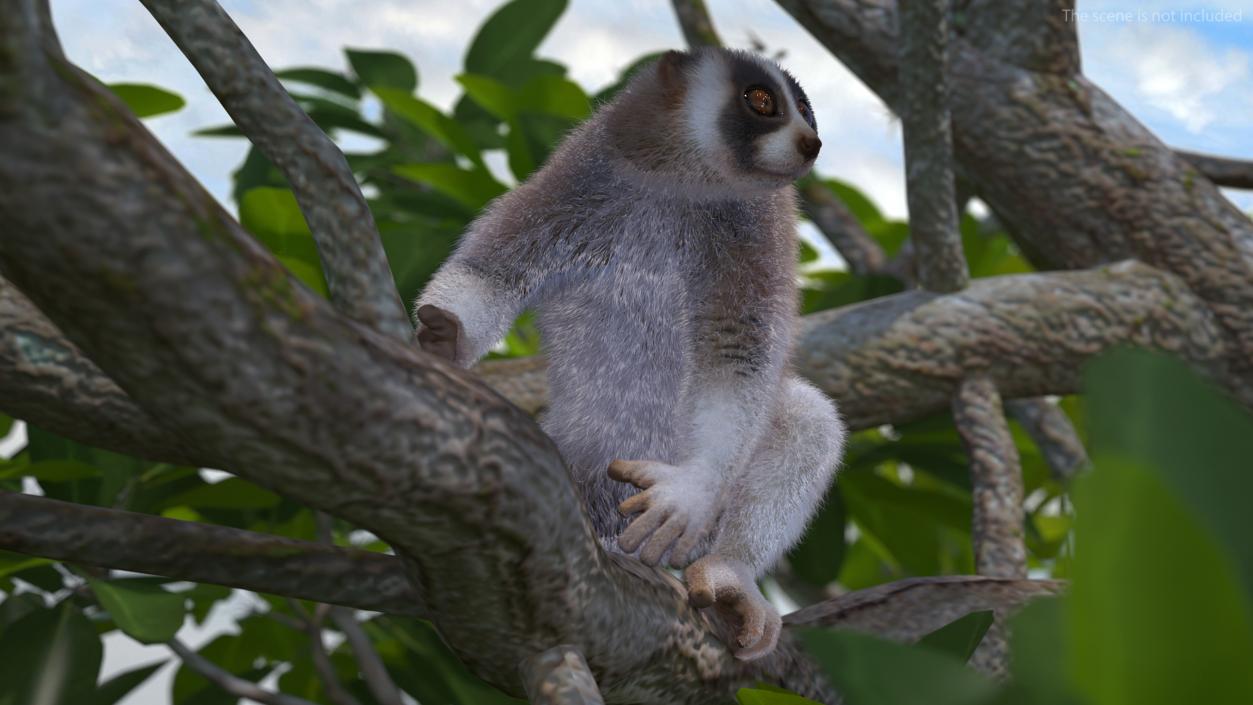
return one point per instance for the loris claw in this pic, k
(676, 508)
(728, 586)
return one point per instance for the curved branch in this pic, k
(46, 381)
(357, 274)
(901, 357)
(205, 553)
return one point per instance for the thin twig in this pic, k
(369, 663)
(228, 681)
(929, 146)
(311, 625)
(357, 273)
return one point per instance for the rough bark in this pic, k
(357, 274)
(941, 264)
(48, 382)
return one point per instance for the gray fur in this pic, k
(663, 274)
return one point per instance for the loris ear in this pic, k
(670, 72)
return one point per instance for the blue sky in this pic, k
(1191, 82)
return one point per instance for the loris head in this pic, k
(716, 120)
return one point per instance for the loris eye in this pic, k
(760, 100)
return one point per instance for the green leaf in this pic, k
(327, 80)
(231, 493)
(1156, 610)
(49, 657)
(511, 35)
(1152, 410)
(761, 696)
(14, 563)
(473, 188)
(51, 471)
(383, 69)
(494, 96)
(960, 638)
(6, 425)
(1038, 654)
(870, 671)
(145, 612)
(145, 100)
(122, 684)
(274, 216)
(431, 121)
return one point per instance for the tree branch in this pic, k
(929, 147)
(698, 28)
(357, 274)
(1053, 433)
(560, 676)
(997, 526)
(46, 381)
(204, 553)
(1234, 173)
(229, 682)
(900, 358)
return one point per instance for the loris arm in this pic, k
(469, 304)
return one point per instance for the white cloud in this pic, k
(1173, 69)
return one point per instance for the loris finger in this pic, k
(753, 617)
(640, 529)
(661, 539)
(635, 504)
(632, 471)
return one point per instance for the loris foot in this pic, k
(729, 586)
(677, 508)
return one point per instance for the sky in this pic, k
(1183, 68)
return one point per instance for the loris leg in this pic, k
(765, 511)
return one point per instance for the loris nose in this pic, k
(808, 146)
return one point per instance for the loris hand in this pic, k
(677, 505)
(728, 586)
(440, 332)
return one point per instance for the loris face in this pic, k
(751, 118)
